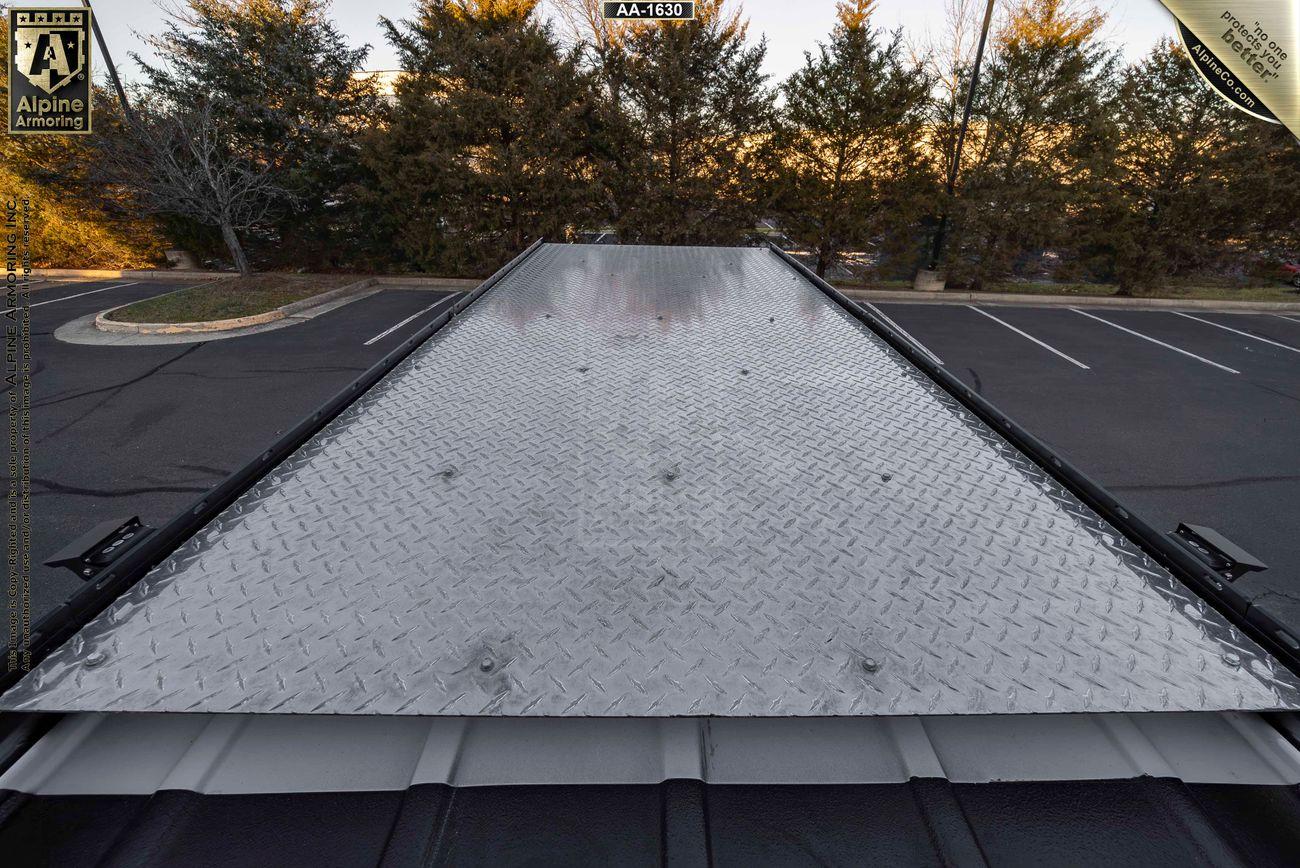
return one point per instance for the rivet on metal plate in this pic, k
(95, 658)
(1232, 659)
(486, 664)
(871, 664)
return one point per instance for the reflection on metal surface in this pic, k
(683, 482)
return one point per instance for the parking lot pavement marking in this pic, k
(1023, 334)
(1285, 317)
(1154, 341)
(80, 294)
(920, 346)
(388, 331)
(1238, 332)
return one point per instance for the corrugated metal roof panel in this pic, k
(1144, 822)
(232, 754)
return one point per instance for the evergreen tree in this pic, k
(851, 143)
(489, 140)
(1040, 140)
(1185, 163)
(696, 117)
(282, 82)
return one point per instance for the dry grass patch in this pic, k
(230, 298)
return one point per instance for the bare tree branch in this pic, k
(175, 161)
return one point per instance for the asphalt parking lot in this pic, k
(1187, 417)
(145, 430)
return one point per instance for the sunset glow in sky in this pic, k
(791, 26)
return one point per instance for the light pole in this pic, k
(936, 252)
(108, 59)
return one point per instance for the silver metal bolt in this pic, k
(486, 664)
(95, 658)
(1231, 658)
(871, 664)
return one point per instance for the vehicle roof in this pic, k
(649, 481)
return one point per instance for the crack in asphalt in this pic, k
(1277, 392)
(122, 385)
(979, 384)
(1270, 592)
(49, 486)
(112, 391)
(1220, 483)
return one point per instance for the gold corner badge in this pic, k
(1248, 51)
(49, 71)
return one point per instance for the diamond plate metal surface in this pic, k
(657, 481)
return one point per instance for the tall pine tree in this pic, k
(851, 138)
(1185, 164)
(696, 116)
(489, 143)
(1039, 143)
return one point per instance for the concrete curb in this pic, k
(1014, 298)
(115, 273)
(398, 280)
(301, 308)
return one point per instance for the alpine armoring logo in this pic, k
(49, 71)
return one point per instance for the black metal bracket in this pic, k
(96, 549)
(1189, 567)
(1220, 553)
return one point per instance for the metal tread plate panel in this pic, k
(657, 481)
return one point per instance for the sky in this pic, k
(791, 26)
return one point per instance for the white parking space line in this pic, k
(80, 294)
(1285, 317)
(1237, 332)
(1154, 341)
(388, 331)
(1027, 335)
(898, 328)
